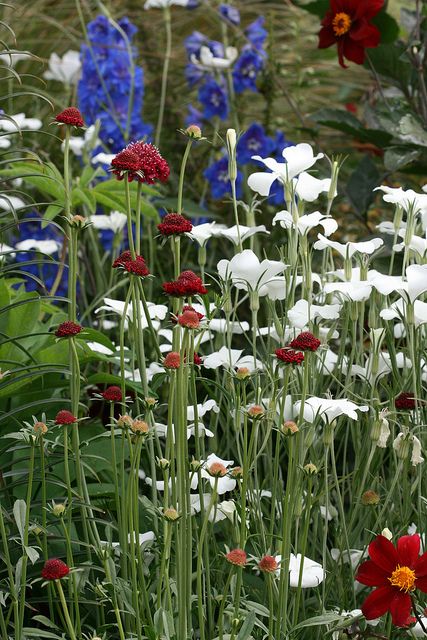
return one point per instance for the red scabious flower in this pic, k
(153, 166)
(396, 572)
(174, 224)
(112, 394)
(137, 267)
(71, 116)
(55, 569)
(348, 24)
(237, 557)
(289, 356)
(187, 284)
(189, 319)
(124, 257)
(65, 417)
(197, 360)
(268, 564)
(67, 329)
(126, 162)
(305, 342)
(172, 360)
(405, 401)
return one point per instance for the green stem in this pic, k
(65, 610)
(182, 174)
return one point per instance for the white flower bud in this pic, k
(416, 457)
(387, 533)
(384, 433)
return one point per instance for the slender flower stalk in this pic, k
(166, 62)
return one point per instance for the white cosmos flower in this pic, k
(224, 483)
(4, 142)
(20, 121)
(313, 573)
(329, 408)
(309, 188)
(416, 243)
(355, 291)
(48, 247)
(207, 61)
(114, 222)
(100, 348)
(385, 365)
(151, 370)
(10, 59)
(103, 158)
(248, 273)
(407, 199)
(348, 249)
(298, 158)
(162, 430)
(8, 203)
(220, 325)
(301, 314)
(410, 289)
(245, 232)
(306, 222)
(163, 4)
(220, 511)
(328, 513)
(398, 310)
(354, 557)
(155, 311)
(202, 232)
(229, 358)
(389, 228)
(202, 409)
(65, 69)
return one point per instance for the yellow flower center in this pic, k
(341, 24)
(403, 578)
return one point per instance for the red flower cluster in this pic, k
(396, 572)
(237, 557)
(305, 342)
(197, 360)
(71, 116)
(55, 569)
(174, 224)
(137, 267)
(189, 319)
(268, 564)
(348, 24)
(65, 417)
(405, 401)
(289, 356)
(67, 329)
(172, 360)
(112, 394)
(187, 284)
(140, 161)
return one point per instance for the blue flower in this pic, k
(246, 70)
(196, 40)
(104, 90)
(214, 100)
(217, 175)
(229, 13)
(256, 34)
(194, 116)
(254, 142)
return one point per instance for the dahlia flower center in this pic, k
(341, 23)
(403, 578)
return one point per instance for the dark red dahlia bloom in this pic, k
(174, 224)
(71, 116)
(396, 572)
(137, 267)
(405, 401)
(289, 356)
(126, 163)
(67, 329)
(112, 394)
(153, 167)
(55, 569)
(65, 417)
(305, 342)
(187, 284)
(348, 24)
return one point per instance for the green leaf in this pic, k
(390, 61)
(83, 196)
(348, 123)
(318, 8)
(361, 184)
(411, 130)
(19, 513)
(326, 618)
(45, 621)
(32, 554)
(387, 25)
(397, 157)
(39, 633)
(247, 626)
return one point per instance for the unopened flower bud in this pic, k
(58, 510)
(387, 533)
(193, 131)
(79, 222)
(40, 428)
(125, 422)
(36, 530)
(402, 445)
(217, 470)
(231, 146)
(289, 428)
(236, 472)
(163, 463)
(150, 402)
(140, 427)
(256, 411)
(370, 498)
(170, 514)
(195, 465)
(310, 469)
(242, 373)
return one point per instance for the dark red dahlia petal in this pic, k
(353, 51)
(408, 550)
(327, 37)
(400, 608)
(383, 553)
(378, 602)
(421, 566)
(421, 584)
(372, 575)
(366, 34)
(367, 8)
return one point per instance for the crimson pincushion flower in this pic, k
(405, 401)
(237, 557)
(187, 284)
(396, 572)
(112, 394)
(54, 569)
(189, 319)
(268, 564)
(67, 329)
(126, 163)
(65, 417)
(137, 267)
(306, 341)
(71, 116)
(121, 260)
(289, 356)
(348, 24)
(174, 224)
(153, 167)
